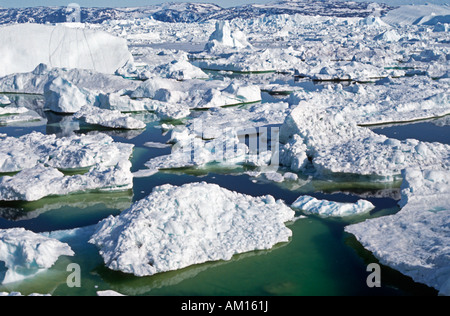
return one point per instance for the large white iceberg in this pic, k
(175, 227)
(26, 253)
(40, 181)
(74, 152)
(416, 240)
(25, 46)
(312, 205)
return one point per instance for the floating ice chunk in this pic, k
(61, 96)
(312, 205)
(224, 38)
(107, 118)
(198, 93)
(25, 46)
(180, 70)
(13, 110)
(4, 100)
(38, 182)
(26, 253)
(175, 227)
(337, 145)
(416, 240)
(74, 152)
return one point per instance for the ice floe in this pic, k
(198, 93)
(335, 144)
(40, 181)
(107, 118)
(175, 227)
(26, 253)
(416, 240)
(25, 46)
(74, 152)
(311, 205)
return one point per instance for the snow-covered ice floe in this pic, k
(110, 119)
(336, 144)
(25, 46)
(26, 253)
(40, 181)
(416, 240)
(175, 227)
(311, 205)
(74, 152)
(387, 101)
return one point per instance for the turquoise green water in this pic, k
(320, 259)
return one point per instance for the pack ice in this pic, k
(416, 240)
(26, 253)
(25, 46)
(175, 227)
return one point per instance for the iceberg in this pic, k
(416, 240)
(74, 152)
(107, 118)
(223, 38)
(311, 205)
(40, 181)
(26, 253)
(175, 227)
(25, 46)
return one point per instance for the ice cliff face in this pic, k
(25, 46)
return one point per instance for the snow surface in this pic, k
(25, 46)
(311, 205)
(175, 227)
(26, 253)
(74, 152)
(416, 240)
(40, 181)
